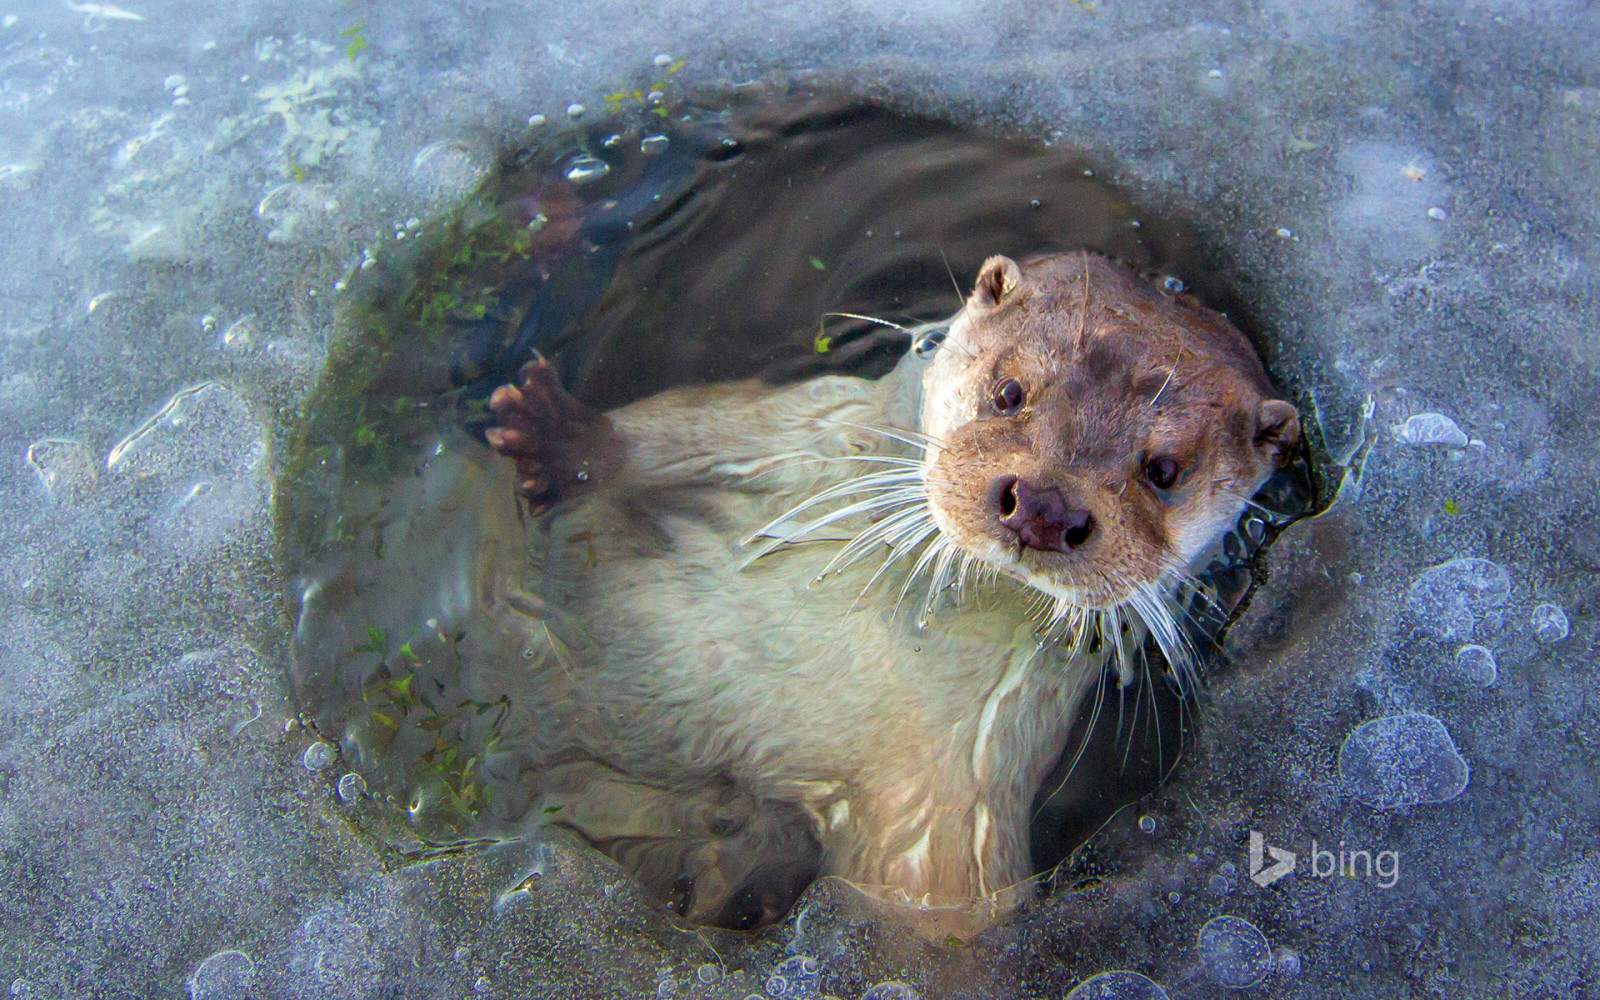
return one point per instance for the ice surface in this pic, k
(1118, 985)
(1476, 665)
(1234, 952)
(1450, 600)
(1430, 428)
(184, 187)
(1550, 623)
(1402, 760)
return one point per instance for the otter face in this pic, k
(1090, 435)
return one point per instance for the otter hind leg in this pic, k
(562, 449)
(713, 855)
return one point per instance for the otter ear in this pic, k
(1277, 429)
(998, 278)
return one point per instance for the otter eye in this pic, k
(1008, 396)
(1163, 472)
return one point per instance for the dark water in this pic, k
(651, 249)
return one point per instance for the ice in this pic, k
(67, 469)
(1550, 623)
(1402, 760)
(227, 975)
(1234, 952)
(1451, 599)
(794, 977)
(1118, 985)
(317, 756)
(891, 991)
(1430, 428)
(156, 814)
(1476, 665)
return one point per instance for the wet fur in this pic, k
(743, 712)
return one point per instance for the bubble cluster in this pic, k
(794, 977)
(1402, 760)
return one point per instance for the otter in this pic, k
(842, 627)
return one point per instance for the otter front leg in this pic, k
(562, 449)
(946, 845)
(739, 434)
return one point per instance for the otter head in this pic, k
(1090, 435)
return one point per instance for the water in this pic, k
(154, 803)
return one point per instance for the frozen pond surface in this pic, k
(1411, 196)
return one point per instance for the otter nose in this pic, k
(1041, 516)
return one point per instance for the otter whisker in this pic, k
(898, 461)
(863, 543)
(869, 319)
(786, 531)
(1156, 613)
(909, 541)
(905, 435)
(1154, 721)
(895, 460)
(939, 580)
(1083, 744)
(960, 295)
(1037, 605)
(880, 492)
(894, 474)
(1277, 518)
(889, 495)
(1157, 397)
(861, 499)
(1183, 581)
(916, 331)
(928, 555)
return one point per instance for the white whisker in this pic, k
(897, 552)
(930, 553)
(882, 532)
(905, 435)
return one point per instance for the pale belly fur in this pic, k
(914, 752)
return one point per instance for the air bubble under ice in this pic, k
(1402, 760)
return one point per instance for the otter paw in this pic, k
(561, 447)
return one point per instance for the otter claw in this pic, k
(555, 441)
(505, 397)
